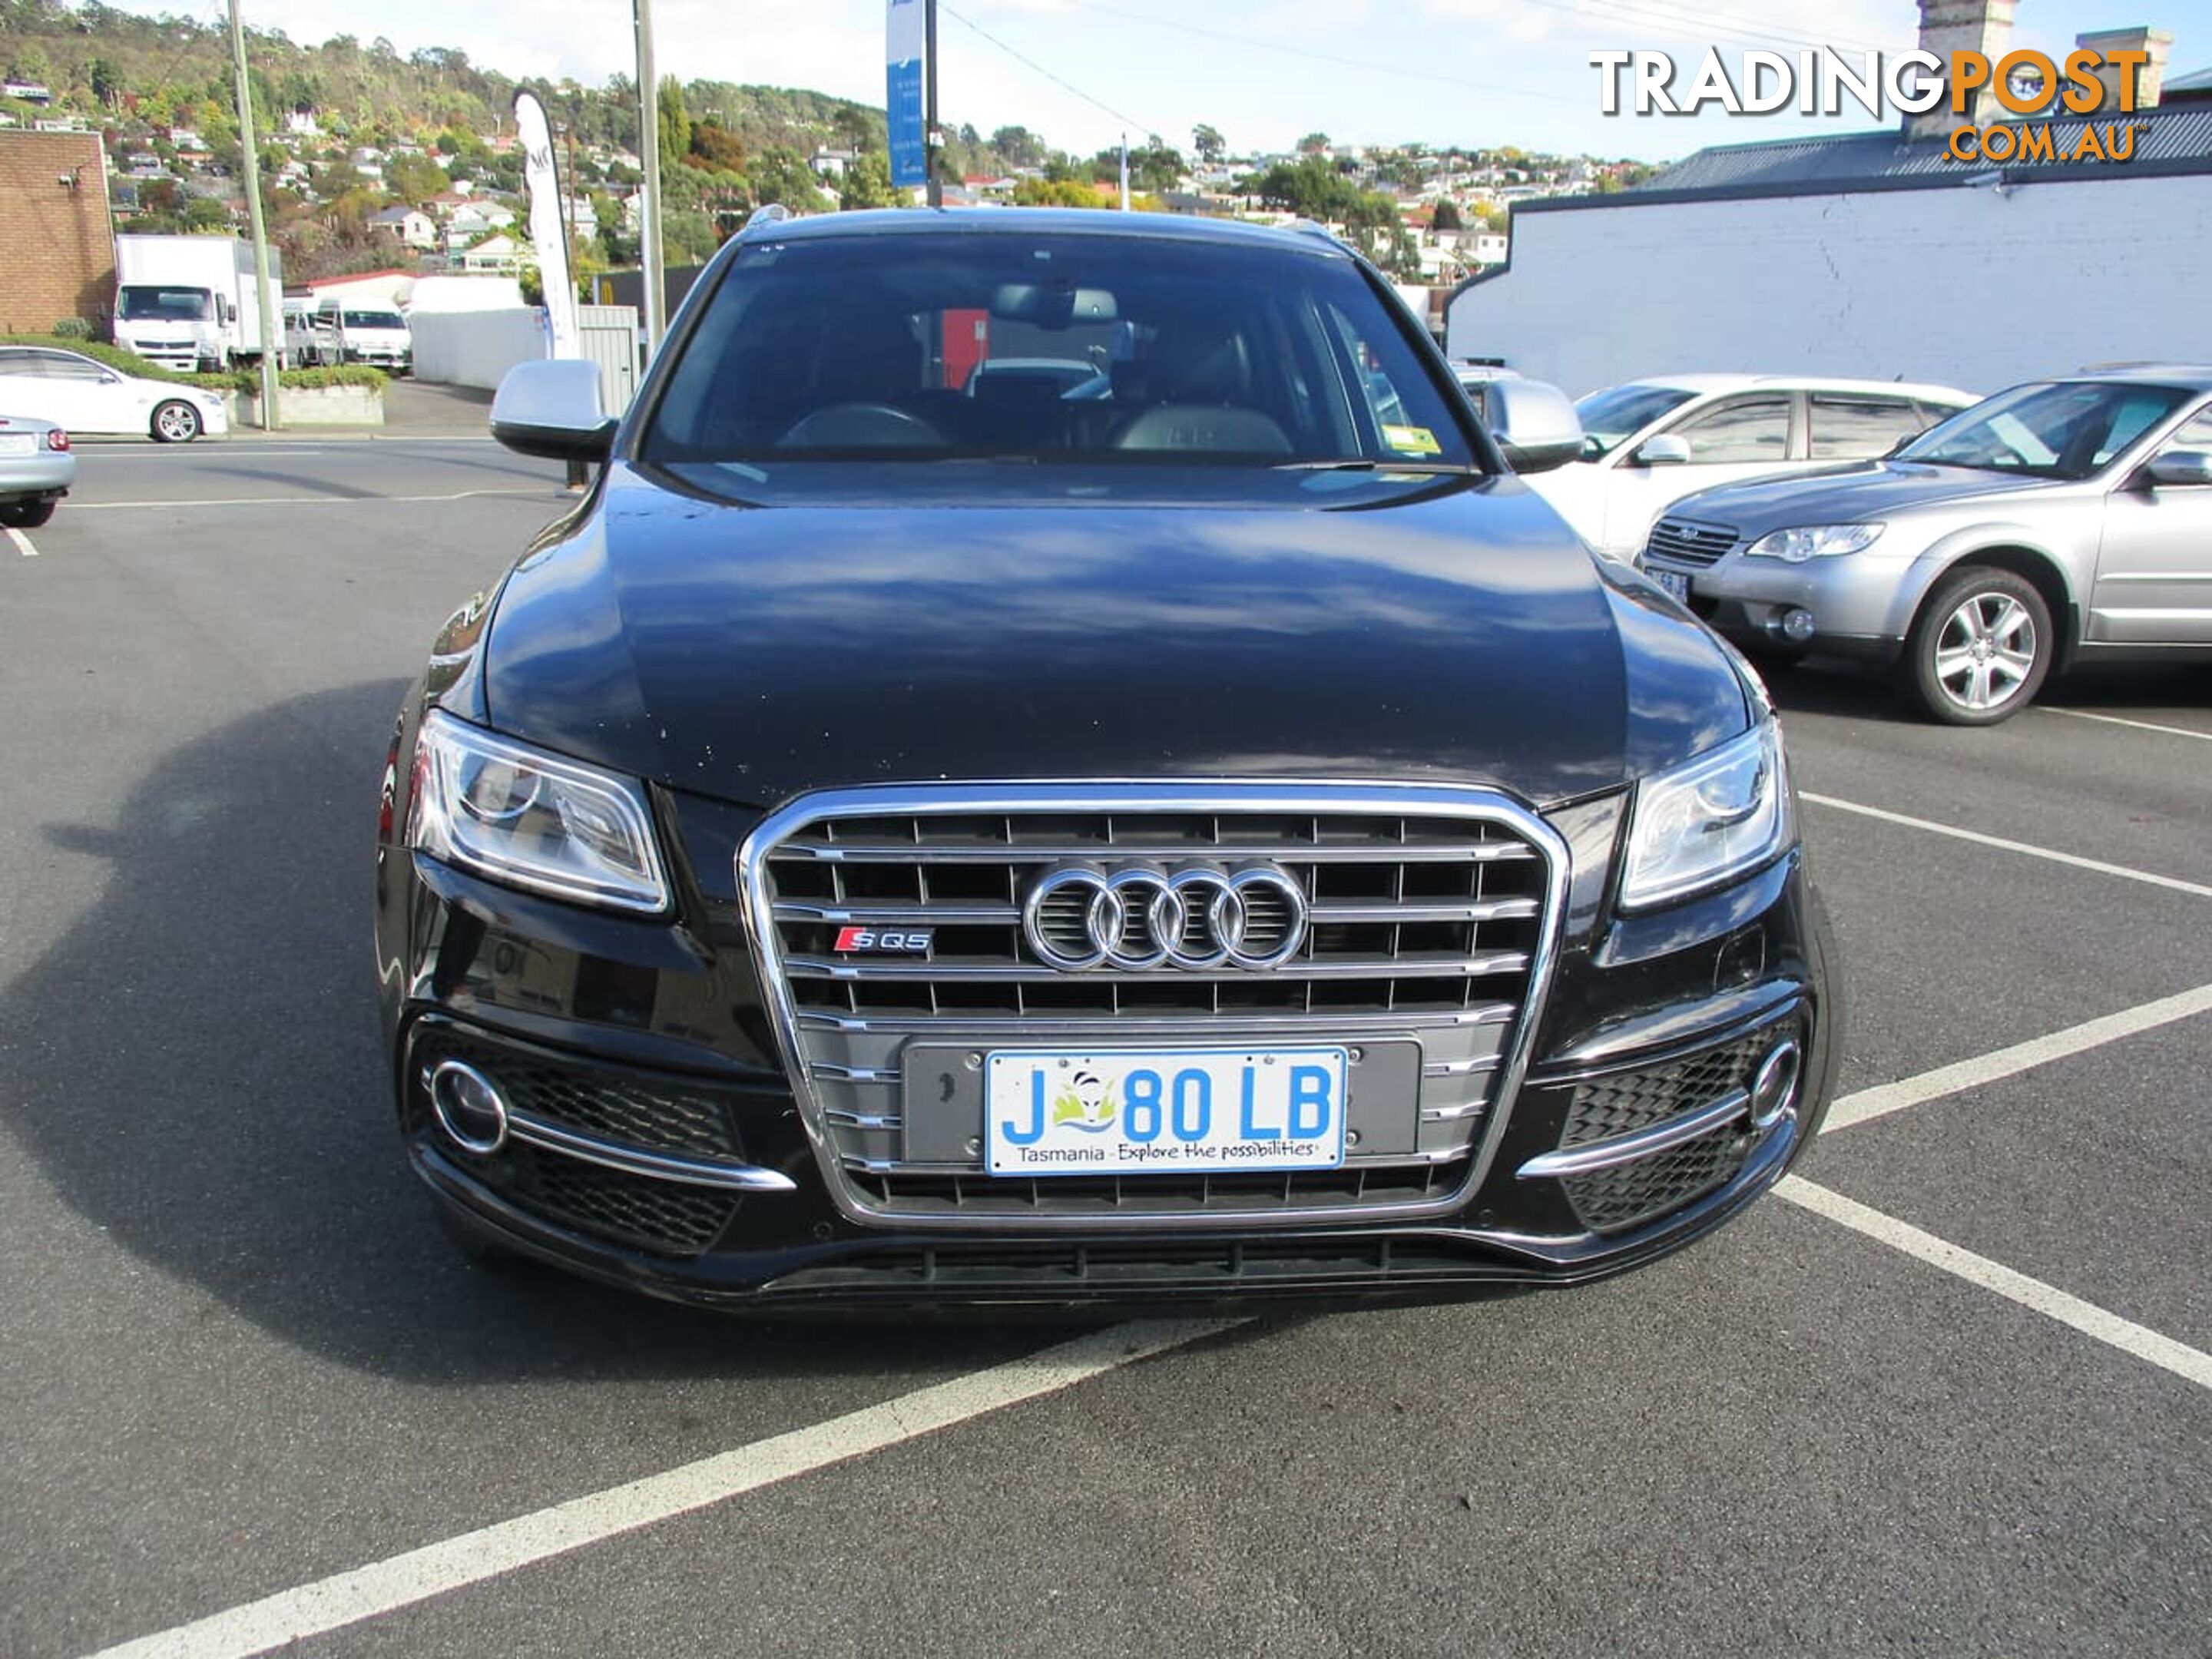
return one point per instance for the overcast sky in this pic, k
(1263, 72)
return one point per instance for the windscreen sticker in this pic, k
(1412, 441)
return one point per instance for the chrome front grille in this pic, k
(1681, 541)
(1430, 915)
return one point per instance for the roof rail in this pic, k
(768, 213)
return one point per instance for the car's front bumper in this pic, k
(647, 1037)
(1428, 1262)
(1860, 605)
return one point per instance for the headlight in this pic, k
(1725, 812)
(1816, 541)
(516, 814)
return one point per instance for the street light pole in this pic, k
(648, 151)
(270, 343)
(929, 103)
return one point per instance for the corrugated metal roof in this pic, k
(2174, 139)
(2197, 80)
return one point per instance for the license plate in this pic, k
(19, 443)
(1164, 1111)
(1672, 581)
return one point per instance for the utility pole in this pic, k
(567, 202)
(929, 103)
(1125, 172)
(648, 152)
(271, 341)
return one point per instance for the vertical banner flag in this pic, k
(905, 44)
(547, 230)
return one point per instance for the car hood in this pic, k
(1845, 494)
(753, 653)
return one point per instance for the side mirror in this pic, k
(1665, 450)
(2178, 469)
(551, 409)
(1535, 423)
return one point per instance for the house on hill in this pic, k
(500, 255)
(411, 226)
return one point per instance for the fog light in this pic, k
(468, 1108)
(1797, 624)
(1774, 1087)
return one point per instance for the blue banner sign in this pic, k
(906, 37)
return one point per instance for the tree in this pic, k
(414, 178)
(688, 238)
(1018, 147)
(1447, 216)
(782, 175)
(675, 124)
(1158, 167)
(1060, 193)
(1313, 143)
(1311, 188)
(104, 80)
(1208, 142)
(717, 147)
(868, 183)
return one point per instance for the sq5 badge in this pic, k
(907, 941)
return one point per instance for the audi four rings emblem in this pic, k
(1080, 916)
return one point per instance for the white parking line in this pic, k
(400, 1581)
(549, 488)
(2191, 1363)
(2140, 726)
(419, 1575)
(1889, 1097)
(2173, 883)
(23, 544)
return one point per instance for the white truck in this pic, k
(186, 302)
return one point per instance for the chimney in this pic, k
(2149, 77)
(1949, 25)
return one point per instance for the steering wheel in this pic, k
(861, 426)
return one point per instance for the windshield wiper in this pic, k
(1363, 464)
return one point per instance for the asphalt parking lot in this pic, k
(1949, 1393)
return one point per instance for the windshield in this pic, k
(163, 304)
(2065, 430)
(1050, 347)
(1612, 417)
(374, 320)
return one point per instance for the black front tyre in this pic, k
(1980, 648)
(175, 422)
(25, 515)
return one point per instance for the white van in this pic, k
(363, 332)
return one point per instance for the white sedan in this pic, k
(1648, 443)
(85, 396)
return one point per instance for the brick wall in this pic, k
(56, 244)
(1965, 287)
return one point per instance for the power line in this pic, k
(1742, 29)
(1728, 25)
(1398, 71)
(1031, 63)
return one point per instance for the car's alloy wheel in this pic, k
(1981, 649)
(176, 422)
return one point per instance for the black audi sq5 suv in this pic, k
(1169, 818)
